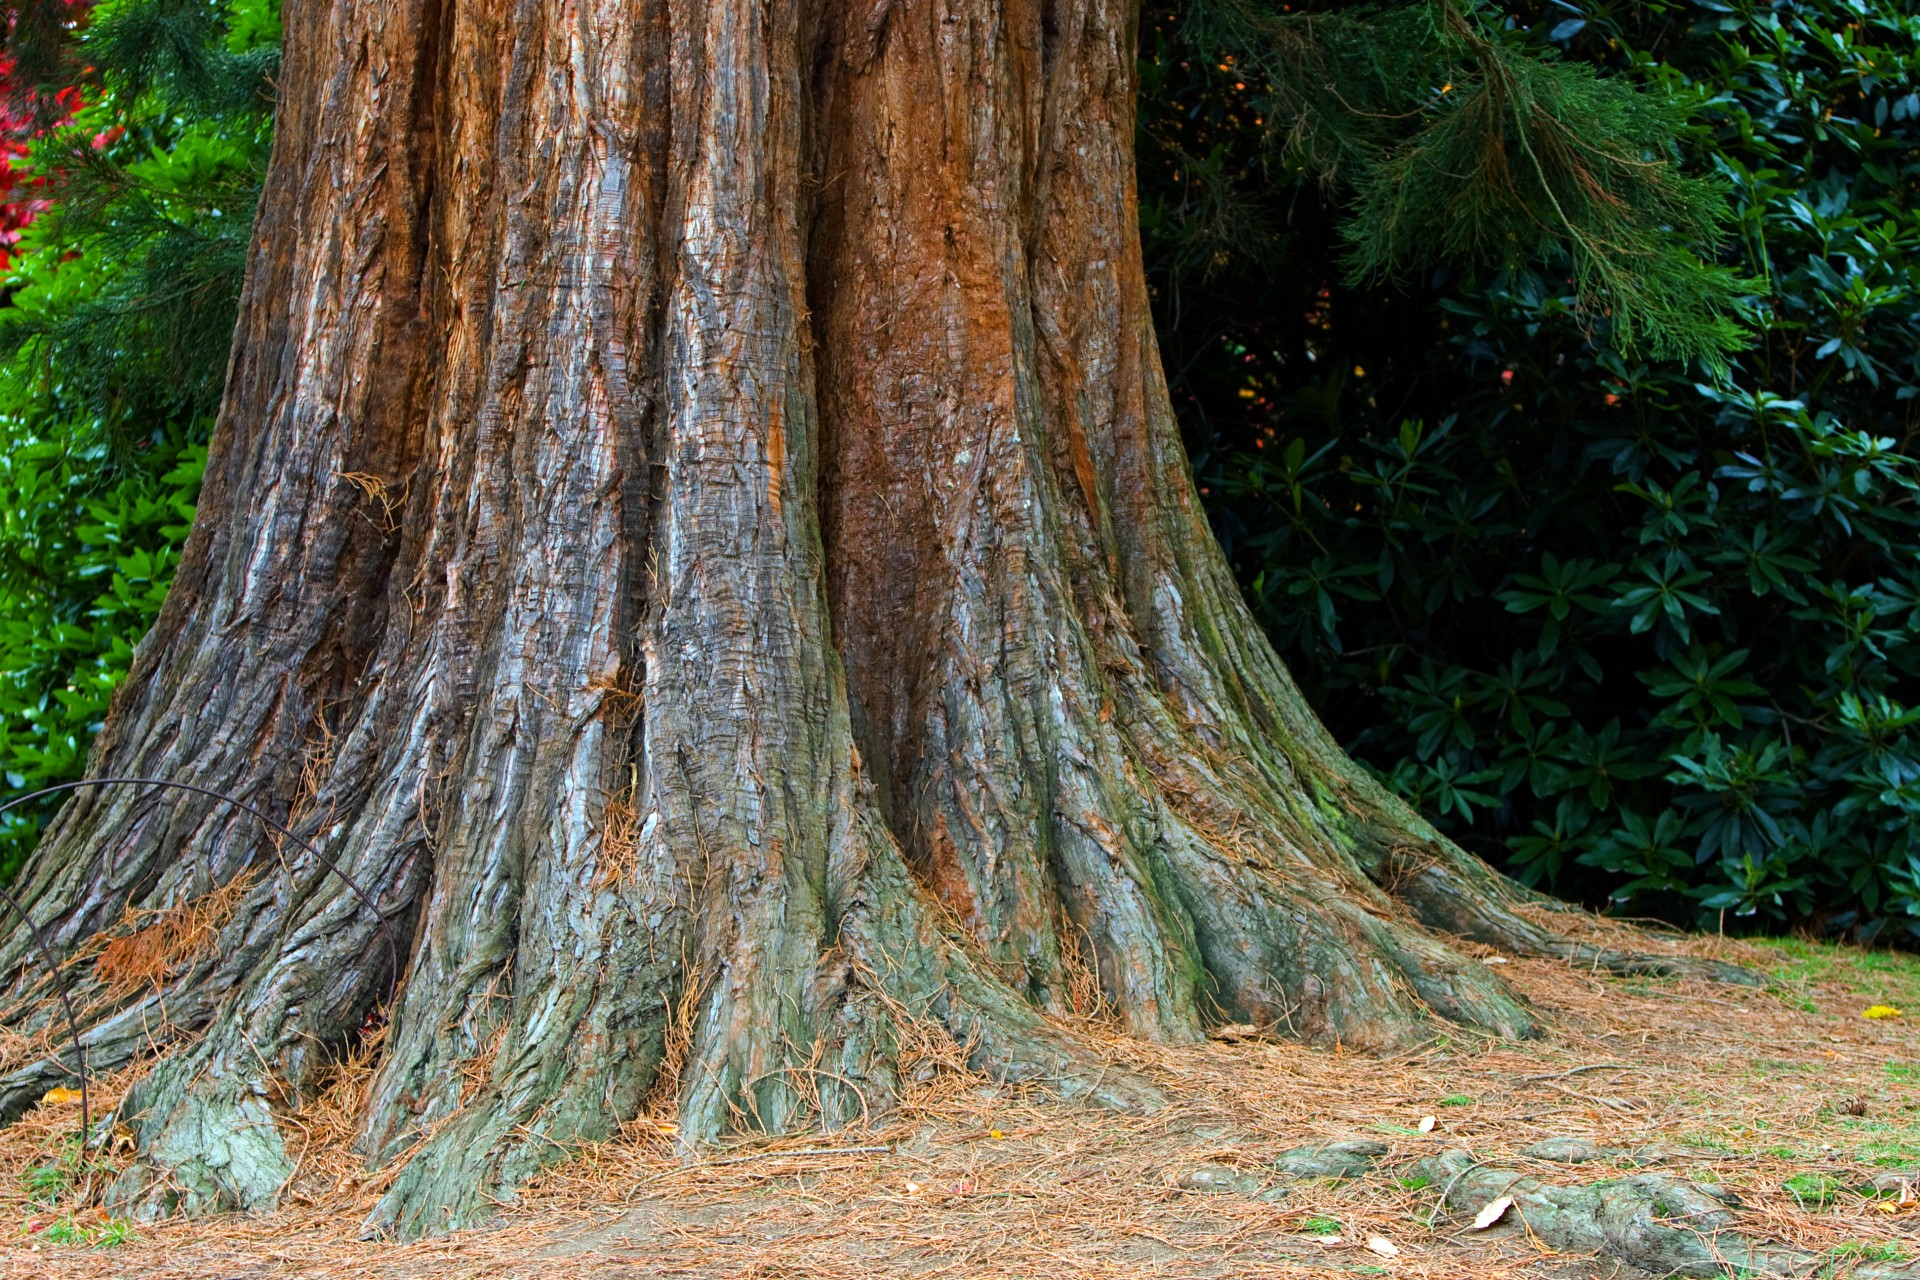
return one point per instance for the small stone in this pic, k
(1895, 1182)
(1218, 1178)
(1348, 1159)
(1569, 1151)
(1666, 1153)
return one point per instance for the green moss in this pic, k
(1813, 1190)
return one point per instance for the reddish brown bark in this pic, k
(696, 523)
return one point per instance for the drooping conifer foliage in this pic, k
(1445, 140)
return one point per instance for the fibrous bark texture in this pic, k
(697, 534)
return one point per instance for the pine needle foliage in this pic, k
(1460, 146)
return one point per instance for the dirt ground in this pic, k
(1789, 1098)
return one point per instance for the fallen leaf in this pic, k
(1326, 1239)
(1492, 1213)
(1383, 1246)
(1495, 960)
(995, 1134)
(1427, 1123)
(1880, 1011)
(60, 1097)
(913, 1188)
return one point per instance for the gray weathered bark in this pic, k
(696, 528)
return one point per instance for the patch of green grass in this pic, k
(1813, 1190)
(108, 1235)
(1872, 1251)
(46, 1183)
(1887, 1142)
(1320, 1227)
(1890, 1155)
(1415, 1183)
(1874, 977)
(1456, 1100)
(1904, 1072)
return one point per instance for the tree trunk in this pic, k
(697, 535)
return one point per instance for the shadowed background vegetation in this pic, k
(1635, 630)
(1548, 370)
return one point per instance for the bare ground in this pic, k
(1788, 1100)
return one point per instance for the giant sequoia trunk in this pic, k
(696, 534)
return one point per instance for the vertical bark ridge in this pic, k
(1054, 727)
(537, 1008)
(1011, 790)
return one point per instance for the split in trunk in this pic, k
(697, 534)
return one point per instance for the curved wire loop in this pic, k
(46, 951)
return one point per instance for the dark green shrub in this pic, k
(1642, 634)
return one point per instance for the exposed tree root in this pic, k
(1658, 1223)
(1654, 1222)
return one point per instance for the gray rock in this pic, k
(1570, 1151)
(1351, 1158)
(1667, 1153)
(1218, 1177)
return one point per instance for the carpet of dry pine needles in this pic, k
(1778, 1093)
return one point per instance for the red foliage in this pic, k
(19, 200)
(23, 117)
(23, 197)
